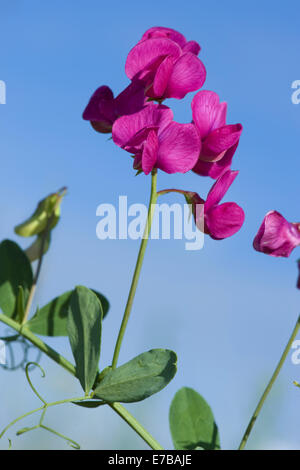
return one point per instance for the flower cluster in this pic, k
(163, 64)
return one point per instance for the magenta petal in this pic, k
(216, 169)
(179, 146)
(220, 188)
(220, 140)
(93, 112)
(145, 54)
(276, 236)
(130, 100)
(208, 112)
(162, 76)
(188, 75)
(162, 32)
(192, 46)
(224, 220)
(152, 115)
(149, 155)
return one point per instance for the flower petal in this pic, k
(208, 112)
(224, 220)
(220, 140)
(192, 46)
(93, 112)
(149, 155)
(162, 77)
(276, 236)
(216, 169)
(146, 55)
(188, 75)
(152, 115)
(179, 147)
(162, 32)
(220, 188)
(131, 100)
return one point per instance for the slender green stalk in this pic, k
(26, 333)
(269, 386)
(136, 426)
(137, 271)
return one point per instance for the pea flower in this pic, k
(219, 220)
(156, 141)
(219, 140)
(166, 63)
(276, 236)
(103, 109)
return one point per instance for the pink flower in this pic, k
(103, 109)
(276, 236)
(156, 140)
(166, 63)
(219, 141)
(218, 220)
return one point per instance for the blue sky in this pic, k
(226, 310)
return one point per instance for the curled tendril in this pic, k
(30, 382)
(43, 409)
(11, 363)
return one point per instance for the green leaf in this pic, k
(84, 330)
(89, 403)
(192, 422)
(51, 320)
(139, 378)
(15, 271)
(20, 306)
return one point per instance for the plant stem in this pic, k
(24, 331)
(60, 360)
(269, 386)
(134, 424)
(137, 271)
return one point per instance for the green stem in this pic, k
(137, 271)
(134, 424)
(24, 331)
(270, 385)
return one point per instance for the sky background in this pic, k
(226, 310)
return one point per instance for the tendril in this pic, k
(30, 382)
(43, 409)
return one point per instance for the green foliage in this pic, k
(139, 378)
(51, 320)
(192, 422)
(89, 403)
(15, 272)
(84, 330)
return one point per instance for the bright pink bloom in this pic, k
(156, 140)
(219, 141)
(219, 220)
(103, 109)
(166, 63)
(276, 236)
